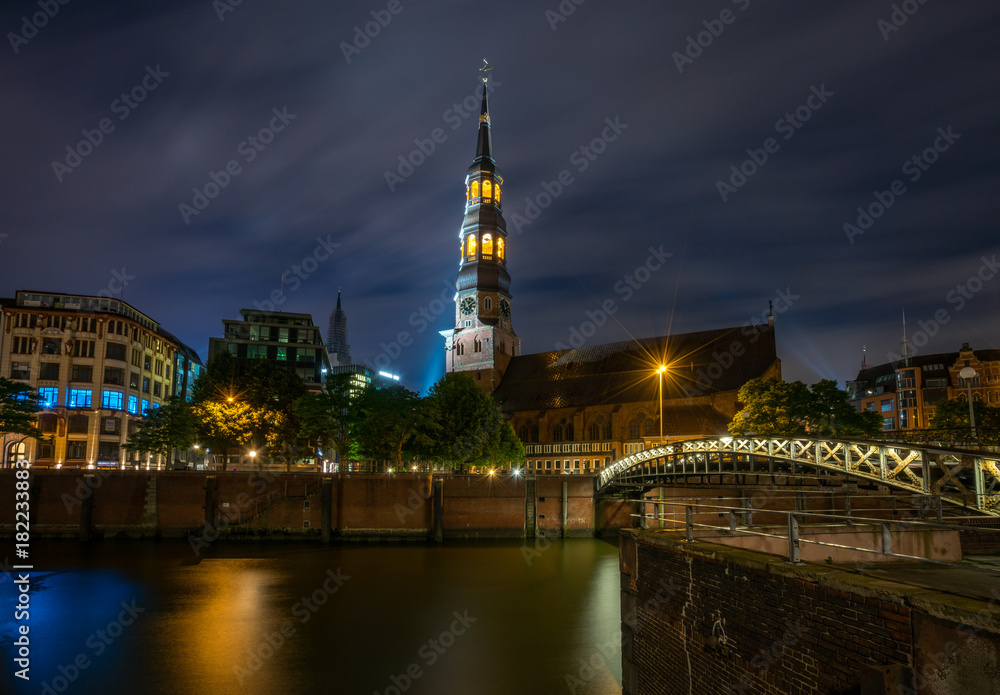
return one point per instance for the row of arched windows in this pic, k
(598, 430)
(469, 248)
(490, 192)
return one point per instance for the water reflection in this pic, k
(267, 619)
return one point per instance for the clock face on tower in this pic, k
(505, 308)
(468, 305)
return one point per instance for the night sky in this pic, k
(844, 94)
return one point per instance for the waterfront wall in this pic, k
(700, 618)
(175, 504)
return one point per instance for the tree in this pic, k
(18, 407)
(174, 425)
(389, 425)
(780, 408)
(228, 424)
(326, 420)
(470, 428)
(951, 419)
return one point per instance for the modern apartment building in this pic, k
(99, 364)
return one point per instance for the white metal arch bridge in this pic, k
(966, 479)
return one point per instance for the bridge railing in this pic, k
(965, 478)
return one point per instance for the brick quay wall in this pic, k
(139, 504)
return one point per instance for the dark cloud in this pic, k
(323, 175)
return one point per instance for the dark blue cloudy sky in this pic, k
(214, 81)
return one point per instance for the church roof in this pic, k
(698, 364)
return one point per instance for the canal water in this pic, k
(266, 619)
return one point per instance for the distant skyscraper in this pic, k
(336, 335)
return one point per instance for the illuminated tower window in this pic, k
(500, 248)
(487, 246)
(475, 190)
(471, 252)
(497, 193)
(487, 190)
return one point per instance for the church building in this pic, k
(578, 410)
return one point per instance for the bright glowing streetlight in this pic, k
(660, 371)
(969, 374)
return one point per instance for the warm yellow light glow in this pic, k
(487, 245)
(475, 190)
(472, 245)
(487, 189)
(500, 248)
(497, 193)
(662, 368)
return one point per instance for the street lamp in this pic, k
(253, 457)
(969, 374)
(660, 370)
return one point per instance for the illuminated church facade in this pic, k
(578, 410)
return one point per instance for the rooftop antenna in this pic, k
(864, 357)
(906, 343)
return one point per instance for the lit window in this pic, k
(472, 246)
(79, 398)
(133, 405)
(500, 248)
(48, 397)
(497, 193)
(113, 400)
(145, 407)
(487, 245)
(475, 190)
(487, 189)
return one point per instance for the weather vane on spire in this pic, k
(485, 70)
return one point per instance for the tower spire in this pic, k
(484, 147)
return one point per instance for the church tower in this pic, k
(336, 336)
(483, 341)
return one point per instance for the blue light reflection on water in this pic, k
(535, 623)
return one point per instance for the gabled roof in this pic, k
(698, 364)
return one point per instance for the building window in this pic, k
(78, 424)
(569, 432)
(534, 433)
(114, 376)
(48, 397)
(82, 372)
(282, 354)
(79, 398)
(108, 452)
(496, 192)
(886, 405)
(20, 370)
(524, 433)
(133, 380)
(145, 384)
(633, 429)
(147, 363)
(908, 399)
(460, 348)
(488, 303)
(112, 425)
(888, 424)
(21, 345)
(26, 320)
(257, 352)
(487, 247)
(48, 422)
(133, 405)
(487, 190)
(557, 433)
(51, 346)
(475, 190)
(156, 389)
(500, 242)
(76, 451)
(477, 345)
(159, 368)
(145, 407)
(113, 400)
(48, 371)
(595, 432)
(471, 247)
(115, 351)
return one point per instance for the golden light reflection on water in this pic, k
(227, 612)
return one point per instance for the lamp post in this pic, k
(253, 459)
(659, 371)
(969, 374)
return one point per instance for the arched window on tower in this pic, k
(488, 303)
(595, 432)
(460, 348)
(524, 433)
(496, 193)
(471, 247)
(475, 191)
(569, 432)
(487, 247)
(487, 189)
(557, 433)
(477, 345)
(500, 248)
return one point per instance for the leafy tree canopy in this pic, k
(18, 407)
(780, 408)
(951, 419)
(174, 425)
